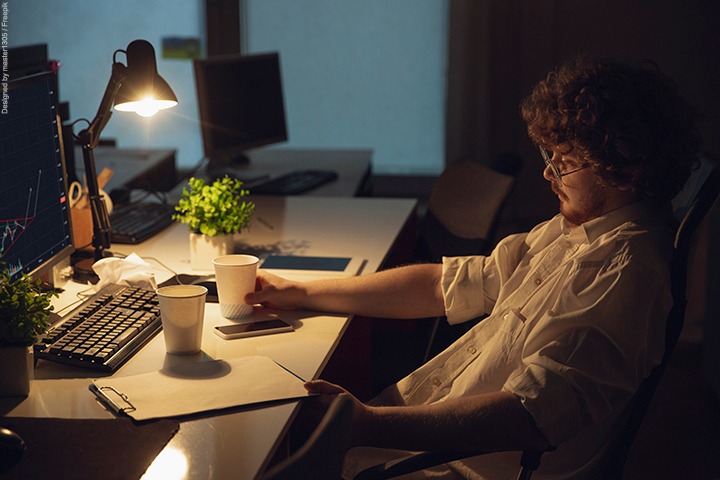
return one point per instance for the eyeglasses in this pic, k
(547, 156)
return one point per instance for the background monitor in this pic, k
(35, 231)
(241, 106)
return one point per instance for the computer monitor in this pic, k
(35, 230)
(241, 106)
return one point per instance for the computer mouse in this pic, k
(11, 444)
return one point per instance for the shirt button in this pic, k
(472, 350)
(568, 244)
(538, 281)
(436, 382)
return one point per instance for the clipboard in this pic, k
(198, 387)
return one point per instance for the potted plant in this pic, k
(213, 213)
(24, 310)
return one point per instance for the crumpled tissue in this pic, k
(131, 270)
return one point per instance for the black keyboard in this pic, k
(293, 183)
(106, 331)
(136, 222)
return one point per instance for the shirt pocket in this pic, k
(511, 335)
(586, 275)
(496, 359)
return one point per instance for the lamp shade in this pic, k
(143, 90)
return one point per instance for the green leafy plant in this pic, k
(24, 309)
(214, 209)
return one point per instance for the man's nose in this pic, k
(548, 174)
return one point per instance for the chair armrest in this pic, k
(412, 463)
(529, 462)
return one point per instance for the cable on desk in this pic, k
(175, 274)
(82, 296)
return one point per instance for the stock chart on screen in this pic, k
(34, 212)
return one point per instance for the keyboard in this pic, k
(104, 332)
(294, 182)
(136, 222)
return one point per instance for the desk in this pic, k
(239, 444)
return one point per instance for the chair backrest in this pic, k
(464, 207)
(321, 457)
(702, 195)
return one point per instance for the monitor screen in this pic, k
(35, 230)
(241, 106)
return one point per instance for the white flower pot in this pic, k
(204, 248)
(17, 370)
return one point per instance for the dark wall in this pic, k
(526, 38)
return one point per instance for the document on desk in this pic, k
(302, 267)
(199, 387)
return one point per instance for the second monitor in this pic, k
(241, 106)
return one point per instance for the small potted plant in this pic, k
(213, 213)
(24, 310)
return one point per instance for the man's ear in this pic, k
(635, 172)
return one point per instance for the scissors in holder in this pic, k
(76, 195)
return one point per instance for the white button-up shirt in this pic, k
(575, 321)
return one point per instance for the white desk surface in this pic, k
(236, 445)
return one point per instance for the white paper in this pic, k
(202, 386)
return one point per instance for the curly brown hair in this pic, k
(628, 122)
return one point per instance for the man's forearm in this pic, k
(489, 422)
(405, 292)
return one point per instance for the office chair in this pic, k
(321, 457)
(461, 219)
(700, 194)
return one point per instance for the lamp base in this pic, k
(82, 262)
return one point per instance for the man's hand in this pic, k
(327, 393)
(275, 292)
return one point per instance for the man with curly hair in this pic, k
(574, 309)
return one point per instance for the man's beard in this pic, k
(590, 206)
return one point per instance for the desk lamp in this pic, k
(138, 88)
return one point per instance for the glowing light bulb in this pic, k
(147, 107)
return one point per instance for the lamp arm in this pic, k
(91, 135)
(89, 139)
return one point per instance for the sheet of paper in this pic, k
(200, 387)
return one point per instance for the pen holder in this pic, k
(82, 226)
(81, 217)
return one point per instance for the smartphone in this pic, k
(263, 327)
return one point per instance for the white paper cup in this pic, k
(182, 309)
(235, 277)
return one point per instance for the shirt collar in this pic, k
(596, 227)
